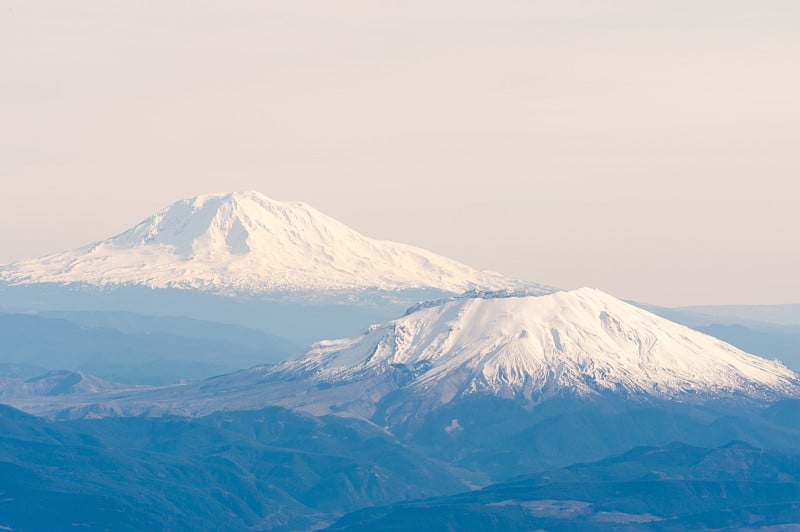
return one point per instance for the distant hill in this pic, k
(263, 470)
(153, 351)
(674, 487)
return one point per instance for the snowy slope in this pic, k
(581, 343)
(245, 242)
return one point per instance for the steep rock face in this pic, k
(244, 242)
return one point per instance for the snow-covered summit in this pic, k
(247, 242)
(582, 341)
(576, 344)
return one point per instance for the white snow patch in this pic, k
(454, 426)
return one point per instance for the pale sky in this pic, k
(647, 148)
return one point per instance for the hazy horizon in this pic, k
(643, 149)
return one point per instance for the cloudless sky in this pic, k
(647, 148)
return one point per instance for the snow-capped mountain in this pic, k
(245, 242)
(581, 344)
(583, 341)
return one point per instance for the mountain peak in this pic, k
(578, 345)
(582, 342)
(245, 242)
(219, 224)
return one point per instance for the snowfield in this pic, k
(247, 243)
